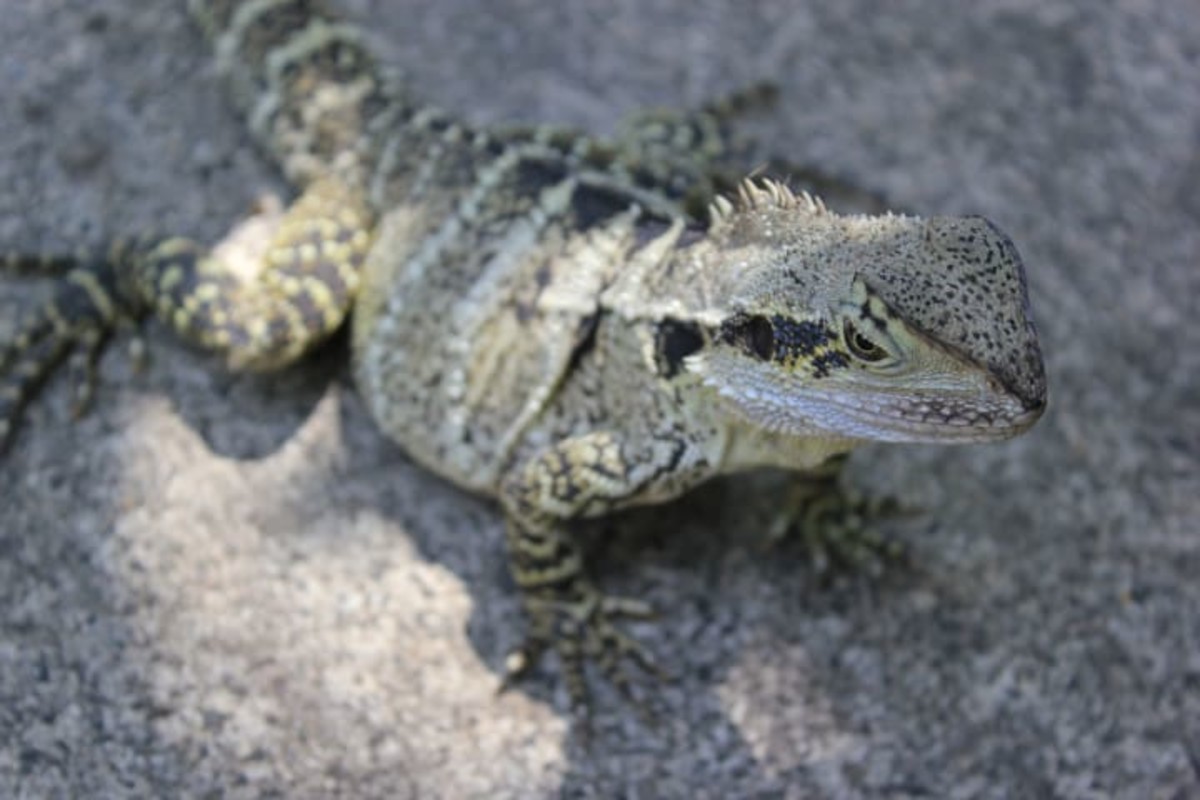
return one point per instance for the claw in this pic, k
(837, 527)
(627, 608)
(84, 307)
(41, 264)
(139, 354)
(518, 662)
(577, 621)
(760, 95)
(83, 367)
(22, 368)
(616, 648)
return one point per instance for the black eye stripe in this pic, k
(760, 337)
(777, 337)
(752, 333)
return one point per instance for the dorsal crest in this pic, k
(757, 194)
(758, 199)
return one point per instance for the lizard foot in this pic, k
(85, 307)
(578, 622)
(837, 526)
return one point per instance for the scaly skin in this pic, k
(548, 319)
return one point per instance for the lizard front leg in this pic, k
(582, 476)
(834, 522)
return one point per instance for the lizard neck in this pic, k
(667, 276)
(748, 447)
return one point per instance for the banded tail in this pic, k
(310, 91)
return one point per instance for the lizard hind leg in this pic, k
(278, 285)
(80, 313)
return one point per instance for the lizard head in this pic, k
(889, 328)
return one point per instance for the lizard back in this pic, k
(482, 287)
(467, 314)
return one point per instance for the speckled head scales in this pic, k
(959, 280)
(964, 285)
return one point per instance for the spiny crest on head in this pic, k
(765, 193)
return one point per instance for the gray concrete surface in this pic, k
(224, 586)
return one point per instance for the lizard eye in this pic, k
(861, 346)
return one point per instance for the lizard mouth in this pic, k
(894, 418)
(888, 417)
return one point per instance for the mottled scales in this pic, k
(569, 325)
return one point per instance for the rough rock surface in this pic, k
(232, 586)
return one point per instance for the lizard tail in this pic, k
(311, 92)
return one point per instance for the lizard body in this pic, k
(536, 315)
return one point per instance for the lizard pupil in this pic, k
(863, 348)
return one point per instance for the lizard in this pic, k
(545, 318)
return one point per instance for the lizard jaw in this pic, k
(935, 420)
(885, 417)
